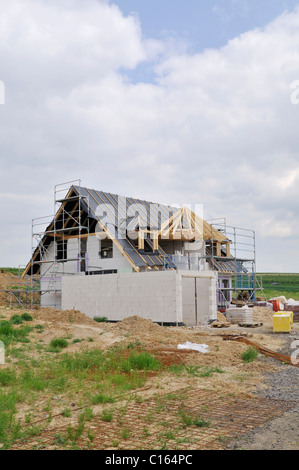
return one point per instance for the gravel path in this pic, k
(281, 433)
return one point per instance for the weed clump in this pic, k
(26, 317)
(100, 319)
(140, 361)
(249, 355)
(57, 344)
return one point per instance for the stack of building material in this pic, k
(264, 303)
(293, 306)
(239, 315)
(221, 321)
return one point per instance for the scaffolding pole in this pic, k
(240, 264)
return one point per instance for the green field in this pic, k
(277, 284)
(274, 284)
(15, 271)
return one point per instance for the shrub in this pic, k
(16, 320)
(26, 317)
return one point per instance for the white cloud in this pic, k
(216, 128)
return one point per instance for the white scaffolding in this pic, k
(240, 264)
(51, 246)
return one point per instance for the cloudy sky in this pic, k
(175, 102)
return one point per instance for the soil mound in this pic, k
(5, 283)
(262, 315)
(221, 318)
(64, 316)
(136, 324)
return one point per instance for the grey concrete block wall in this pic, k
(51, 299)
(161, 296)
(117, 296)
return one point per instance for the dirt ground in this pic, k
(239, 378)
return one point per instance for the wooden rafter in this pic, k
(185, 225)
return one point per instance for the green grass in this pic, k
(10, 334)
(102, 398)
(66, 412)
(83, 379)
(7, 377)
(16, 320)
(19, 319)
(26, 317)
(195, 371)
(57, 344)
(107, 415)
(15, 271)
(140, 361)
(189, 419)
(249, 355)
(88, 377)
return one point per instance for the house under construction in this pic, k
(115, 256)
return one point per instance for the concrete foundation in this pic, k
(162, 296)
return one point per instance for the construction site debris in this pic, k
(218, 324)
(281, 301)
(221, 318)
(262, 349)
(203, 348)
